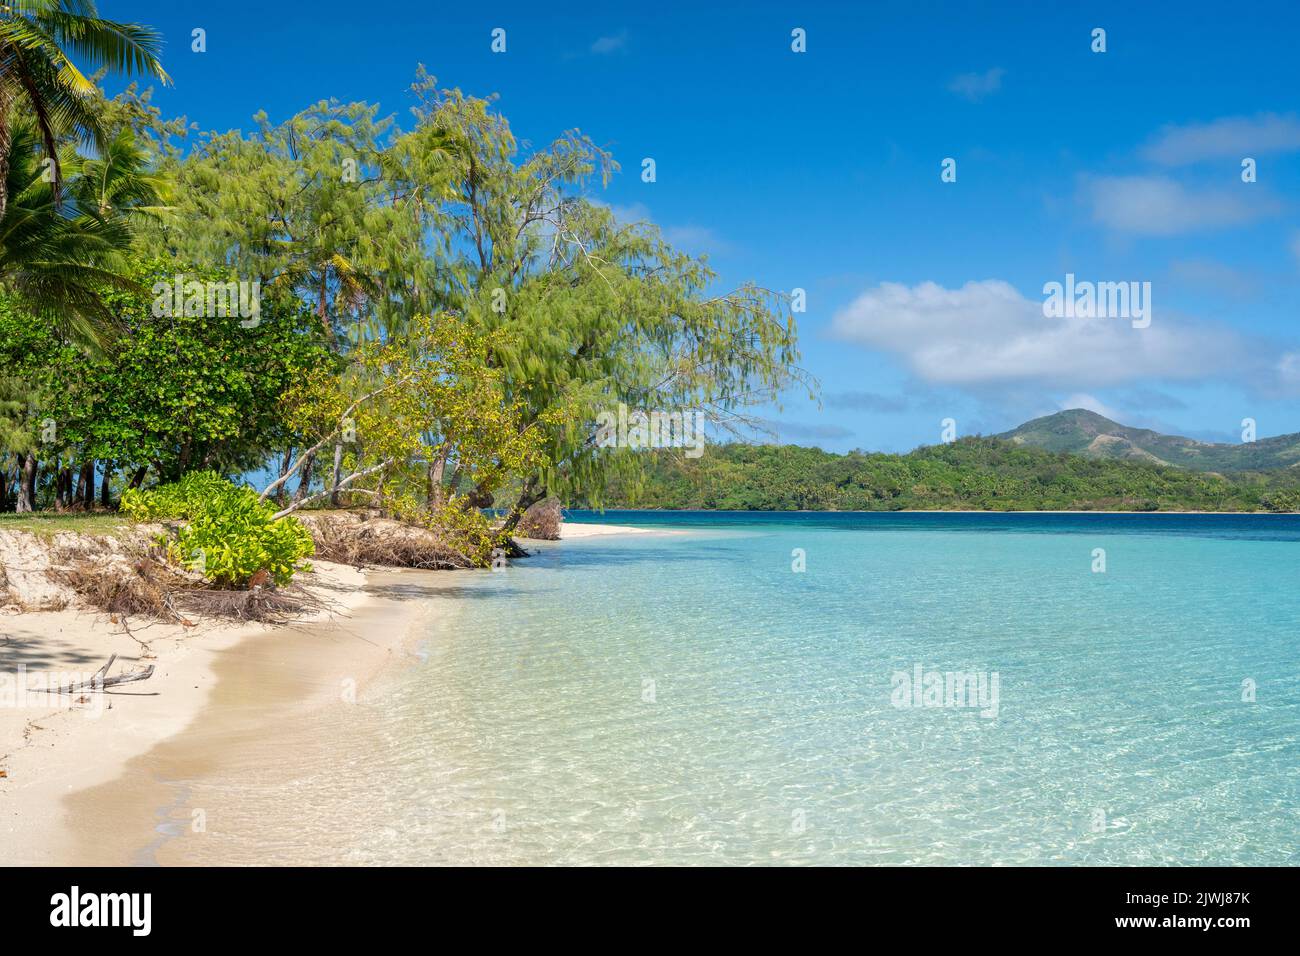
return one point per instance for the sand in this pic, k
(52, 748)
(576, 529)
(106, 783)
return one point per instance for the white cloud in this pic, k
(629, 214)
(1158, 206)
(610, 44)
(976, 86)
(1092, 404)
(1288, 371)
(988, 334)
(1214, 277)
(696, 240)
(1232, 137)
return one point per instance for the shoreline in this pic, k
(51, 750)
(263, 712)
(932, 511)
(84, 789)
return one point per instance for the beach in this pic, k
(79, 783)
(595, 703)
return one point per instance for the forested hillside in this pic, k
(972, 473)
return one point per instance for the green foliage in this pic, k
(970, 474)
(600, 311)
(54, 256)
(171, 392)
(229, 535)
(374, 227)
(234, 536)
(40, 41)
(177, 501)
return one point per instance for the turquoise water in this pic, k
(689, 698)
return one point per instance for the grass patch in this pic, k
(48, 525)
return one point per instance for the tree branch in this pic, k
(269, 489)
(342, 486)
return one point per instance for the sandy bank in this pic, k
(576, 529)
(127, 783)
(50, 747)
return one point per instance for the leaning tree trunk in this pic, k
(529, 496)
(284, 470)
(138, 478)
(305, 481)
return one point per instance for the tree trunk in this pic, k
(138, 478)
(435, 493)
(304, 481)
(86, 485)
(62, 486)
(338, 469)
(105, 494)
(27, 483)
(321, 311)
(284, 470)
(530, 495)
(6, 141)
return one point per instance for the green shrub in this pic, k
(178, 501)
(230, 534)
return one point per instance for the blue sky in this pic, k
(821, 170)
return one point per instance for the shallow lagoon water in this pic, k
(690, 698)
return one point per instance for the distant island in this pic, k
(1075, 460)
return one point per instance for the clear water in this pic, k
(529, 730)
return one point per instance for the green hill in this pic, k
(1081, 432)
(988, 474)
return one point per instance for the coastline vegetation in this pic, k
(230, 330)
(987, 474)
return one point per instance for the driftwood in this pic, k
(100, 680)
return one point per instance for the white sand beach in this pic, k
(48, 751)
(78, 781)
(571, 529)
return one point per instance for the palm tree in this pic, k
(36, 40)
(54, 256)
(119, 182)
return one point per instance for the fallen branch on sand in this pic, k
(101, 680)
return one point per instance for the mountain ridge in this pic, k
(1079, 431)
